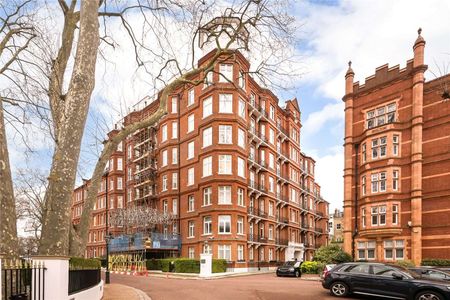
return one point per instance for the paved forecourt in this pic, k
(264, 286)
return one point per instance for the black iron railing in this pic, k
(83, 279)
(22, 281)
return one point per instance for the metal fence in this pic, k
(80, 280)
(22, 280)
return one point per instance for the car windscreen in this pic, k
(289, 263)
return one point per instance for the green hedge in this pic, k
(405, 263)
(80, 263)
(312, 267)
(184, 265)
(438, 262)
(219, 265)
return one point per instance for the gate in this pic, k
(22, 280)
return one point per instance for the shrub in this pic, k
(438, 262)
(80, 263)
(312, 267)
(405, 263)
(332, 254)
(153, 264)
(185, 265)
(219, 265)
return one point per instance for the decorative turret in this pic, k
(349, 76)
(419, 49)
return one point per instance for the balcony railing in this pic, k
(256, 238)
(282, 219)
(256, 212)
(282, 198)
(282, 130)
(279, 241)
(252, 184)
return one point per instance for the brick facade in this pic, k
(397, 164)
(227, 154)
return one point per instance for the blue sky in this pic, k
(368, 32)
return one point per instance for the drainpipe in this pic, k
(355, 232)
(179, 174)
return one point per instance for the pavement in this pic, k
(115, 291)
(265, 286)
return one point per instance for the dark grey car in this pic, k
(383, 281)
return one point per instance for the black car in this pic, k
(432, 273)
(290, 268)
(383, 281)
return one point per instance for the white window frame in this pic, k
(191, 176)
(207, 137)
(224, 194)
(207, 166)
(207, 225)
(191, 97)
(191, 229)
(226, 103)
(174, 181)
(225, 164)
(226, 72)
(174, 108)
(240, 197)
(163, 133)
(241, 167)
(207, 107)
(242, 108)
(174, 156)
(207, 196)
(224, 224)
(191, 123)
(191, 150)
(191, 203)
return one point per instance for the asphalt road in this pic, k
(261, 287)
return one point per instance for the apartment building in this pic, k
(397, 163)
(227, 161)
(336, 226)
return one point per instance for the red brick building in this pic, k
(397, 164)
(226, 160)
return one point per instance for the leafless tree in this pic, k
(68, 81)
(30, 186)
(441, 71)
(16, 34)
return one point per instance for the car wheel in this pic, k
(339, 289)
(278, 275)
(297, 273)
(429, 295)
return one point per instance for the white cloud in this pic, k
(316, 121)
(328, 173)
(371, 33)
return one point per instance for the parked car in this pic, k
(326, 269)
(290, 268)
(383, 281)
(432, 273)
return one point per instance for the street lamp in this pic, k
(108, 238)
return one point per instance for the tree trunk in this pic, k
(9, 243)
(57, 221)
